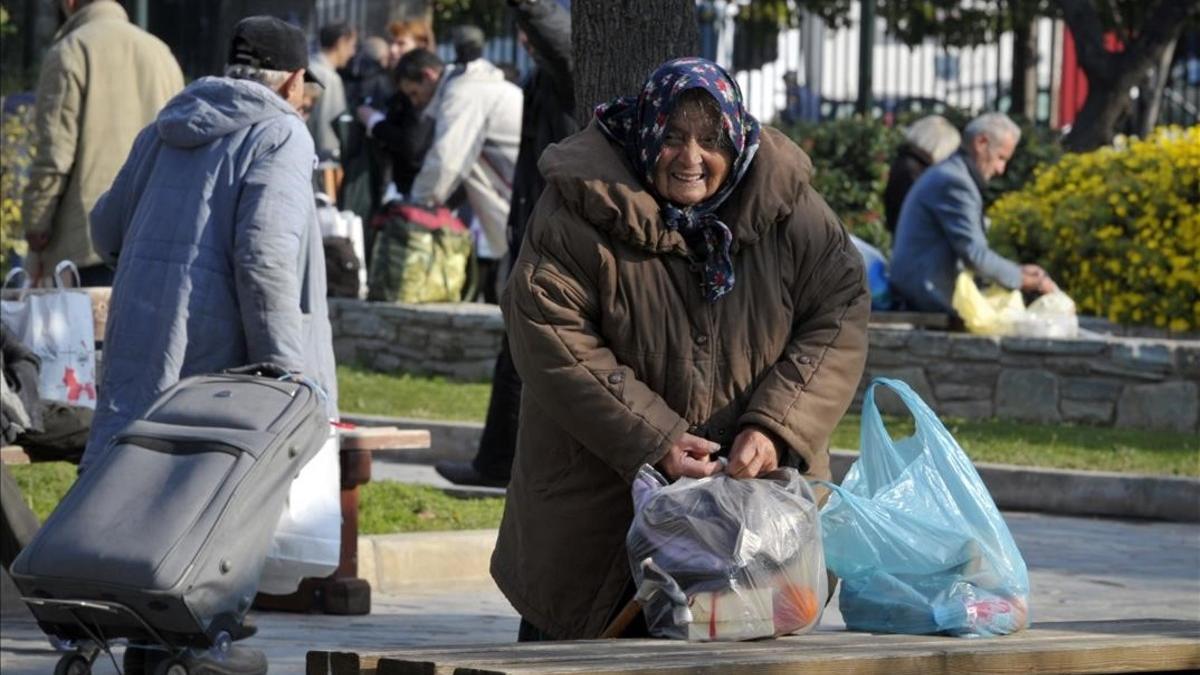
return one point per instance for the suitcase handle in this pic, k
(265, 369)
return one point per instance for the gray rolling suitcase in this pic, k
(163, 541)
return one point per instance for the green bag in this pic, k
(419, 255)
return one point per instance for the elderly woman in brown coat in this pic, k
(682, 294)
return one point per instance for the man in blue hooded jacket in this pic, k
(212, 229)
(211, 226)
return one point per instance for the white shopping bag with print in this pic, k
(57, 325)
(308, 539)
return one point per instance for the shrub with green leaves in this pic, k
(851, 157)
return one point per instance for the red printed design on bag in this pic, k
(75, 388)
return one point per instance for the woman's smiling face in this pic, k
(694, 160)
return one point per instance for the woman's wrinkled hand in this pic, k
(754, 454)
(690, 457)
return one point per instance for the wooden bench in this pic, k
(343, 592)
(1142, 645)
(932, 320)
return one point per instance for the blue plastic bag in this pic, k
(877, 274)
(917, 539)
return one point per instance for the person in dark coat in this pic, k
(928, 141)
(548, 118)
(396, 123)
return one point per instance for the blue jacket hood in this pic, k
(212, 107)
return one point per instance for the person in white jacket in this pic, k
(477, 117)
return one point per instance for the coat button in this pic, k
(701, 340)
(806, 360)
(615, 378)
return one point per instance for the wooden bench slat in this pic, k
(383, 438)
(1070, 647)
(13, 454)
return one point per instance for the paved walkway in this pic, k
(1081, 569)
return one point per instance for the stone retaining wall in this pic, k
(1106, 381)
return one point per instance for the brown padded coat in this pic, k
(620, 354)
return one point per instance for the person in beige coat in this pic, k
(102, 80)
(682, 294)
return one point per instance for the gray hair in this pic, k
(994, 125)
(273, 79)
(935, 136)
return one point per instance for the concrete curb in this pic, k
(1017, 488)
(392, 561)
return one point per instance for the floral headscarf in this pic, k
(639, 124)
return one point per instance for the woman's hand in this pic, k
(754, 454)
(690, 457)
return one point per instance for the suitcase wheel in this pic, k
(172, 666)
(74, 663)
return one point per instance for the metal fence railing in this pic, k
(814, 69)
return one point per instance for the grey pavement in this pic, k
(1080, 569)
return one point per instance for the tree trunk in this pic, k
(617, 43)
(1024, 69)
(1154, 93)
(1111, 75)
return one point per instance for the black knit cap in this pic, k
(271, 44)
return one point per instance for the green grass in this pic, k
(387, 506)
(384, 507)
(1056, 446)
(1060, 446)
(43, 485)
(394, 507)
(363, 391)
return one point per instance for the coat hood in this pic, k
(596, 181)
(212, 107)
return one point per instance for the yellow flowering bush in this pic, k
(16, 154)
(1118, 228)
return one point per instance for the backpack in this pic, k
(419, 255)
(342, 267)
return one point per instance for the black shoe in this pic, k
(238, 661)
(463, 473)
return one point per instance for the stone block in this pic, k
(1072, 365)
(949, 391)
(926, 343)
(1028, 395)
(1189, 359)
(1087, 412)
(1173, 406)
(971, 410)
(975, 348)
(883, 357)
(345, 351)
(1103, 366)
(888, 338)
(386, 362)
(889, 403)
(1018, 345)
(1091, 388)
(1143, 355)
(361, 323)
(948, 372)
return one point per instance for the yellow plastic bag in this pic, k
(996, 311)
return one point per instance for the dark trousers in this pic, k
(96, 275)
(17, 522)
(498, 445)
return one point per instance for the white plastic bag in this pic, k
(726, 559)
(57, 326)
(1051, 316)
(347, 224)
(308, 539)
